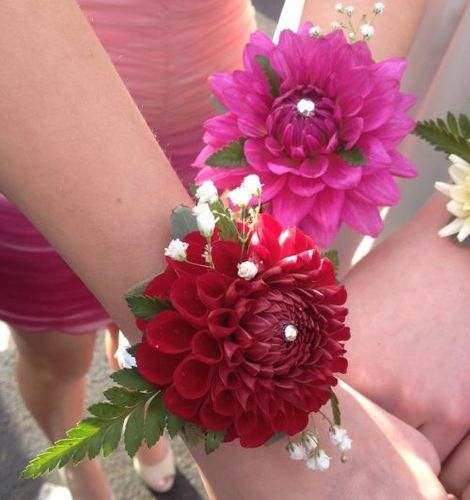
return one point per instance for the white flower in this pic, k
(207, 192)
(378, 8)
(339, 7)
(367, 30)
(252, 184)
(459, 193)
(296, 451)
(309, 441)
(315, 31)
(349, 10)
(201, 208)
(345, 445)
(247, 270)
(337, 434)
(318, 461)
(335, 25)
(176, 250)
(206, 223)
(240, 197)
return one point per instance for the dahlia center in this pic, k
(305, 107)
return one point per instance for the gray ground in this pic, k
(20, 439)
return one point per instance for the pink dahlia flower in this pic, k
(300, 110)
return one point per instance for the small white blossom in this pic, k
(459, 193)
(378, 8)
(240, 197)
(309, 441)
(176, 250)
(352, 36)
(349, 10)
(337, 434)
(315, 31)
(247, 270)
(367, 30)
(345, 445)
(206, 224)
(305, 107)
(339, 7)
(335, 26)
(318, 461)
(252, 184)
(207, 192)
(296, 451)
(201, 208)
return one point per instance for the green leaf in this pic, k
(134, 431)
(453, 125)
(193, 434)
(145, 307)
(183, 221)
(132, 350)
(130, 378)
(277, 437)
(112, 437)
(213, 440)
(225, 222)
(106, 410)
(122, 397)
(333, 256)
(464, 124)
(353, 156)
(138, 288)
(155, 420)
(219, 107)
(174, 424)
(441, 137)
(229, 156)
(335, 408)
(271, 75)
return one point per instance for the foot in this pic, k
(156, 466)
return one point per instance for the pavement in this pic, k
(20, 438)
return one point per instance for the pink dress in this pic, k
(164, 52)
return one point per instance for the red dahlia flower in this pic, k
(221, 356)
(323, 100)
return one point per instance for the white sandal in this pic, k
(159, 477)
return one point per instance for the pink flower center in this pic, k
(303, 122)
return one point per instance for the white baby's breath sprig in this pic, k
(339, 7)
(378, 8)
(335, 25)
(309, 441)
(315, 31)
(252, 184)
(240, 197)
(296, 451)
(176, 250)
(247, 270)
(207, 192)
(367, 31)
(349, 10)
(318, 460)
(459, 194)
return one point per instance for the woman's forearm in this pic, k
(395, 28)
(76, 155)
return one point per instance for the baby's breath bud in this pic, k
(296, 451)
(352, 36)
(349, 10)
(315, 31)
(206, 223)
(309, 441)
(378, 8)
(207, 192)
(345, 445)
(339, 7)
(367, 31)
(335, 26)
(337, 434)
(318, 461)
(252, 184)
(240, 197)
(176, 250)
(247, 270)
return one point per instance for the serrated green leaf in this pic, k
(78, 455)
(442, 139)
(145, 307)
(219, 107)
(353, 156)
(155, 420)
(132, 350)
(230, 156)
(112, 437)
(106, 410)
(277, 437)
(130, 378)
(335, 408)
(183, 222)
(452, 123)
(122, 397)
(272, 77)
(134, 431)
(333, 256)
(213, 440)
(138, 288)
(174, 424)
(225, 222)
(464, 124)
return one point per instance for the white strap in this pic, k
(290, 17)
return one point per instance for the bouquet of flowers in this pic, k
(244, 332)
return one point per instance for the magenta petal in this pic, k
(257, 155)
(373, 150)
(221, 130)
(391, 68)
(378, 189)
(218, 82)
(290, 209)
(401, 166)
(362, 217)
(341, 175)
(304, 187)
(272, 184)
(327, 208)
(314, 167)
(320, 236)
(351, 130)
(251, 126)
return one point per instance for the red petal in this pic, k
(211, 288)
(155, 366)
(192, 378)
(222, 322)
(206, 348)
(185, 300)
(161, 284)
(226, 256)
(212, 420)
(168, 332)
(179, 406)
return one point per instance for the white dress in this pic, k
(439, 75)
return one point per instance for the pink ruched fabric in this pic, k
(164, 51)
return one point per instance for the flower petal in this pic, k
(362, 217)
(290, 209)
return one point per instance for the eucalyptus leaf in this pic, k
(183, 222)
